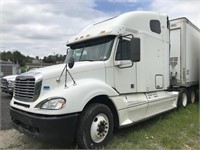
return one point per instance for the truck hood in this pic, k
(10, 77)
(53, 72)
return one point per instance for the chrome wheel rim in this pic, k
(99, 128)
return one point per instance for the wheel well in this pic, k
(103, 99)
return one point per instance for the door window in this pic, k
(123, 50)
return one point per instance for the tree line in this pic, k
(18, 58)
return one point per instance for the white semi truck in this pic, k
(117, 72)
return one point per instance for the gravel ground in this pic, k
(5, 120)
(12, 139)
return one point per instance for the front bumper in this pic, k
(46, 128)
(7, 89)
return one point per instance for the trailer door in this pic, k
(175, 53)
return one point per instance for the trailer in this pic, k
(184, 57)
(117, 73)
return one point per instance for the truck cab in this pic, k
(7, 84)
(116, 74)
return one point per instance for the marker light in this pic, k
(102, 32)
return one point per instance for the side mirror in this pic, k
(71, 62)
(135, 49)
(67, 51)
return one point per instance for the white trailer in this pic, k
(117, 73)
(184, 56)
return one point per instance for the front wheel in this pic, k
(95, 126)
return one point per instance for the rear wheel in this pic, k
(192, 95)
(183, 98)
(197, 94)
(95, 127)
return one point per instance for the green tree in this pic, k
(16, 57)
(6, 56)
(19, 58)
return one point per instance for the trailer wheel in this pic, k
(183, 98)
(197, 94)
(192, 95)
(95, 127)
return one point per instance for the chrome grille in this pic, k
(26, 88)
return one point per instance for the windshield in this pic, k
(98, 49)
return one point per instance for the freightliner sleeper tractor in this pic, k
(117, 72)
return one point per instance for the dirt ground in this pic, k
(12, 139)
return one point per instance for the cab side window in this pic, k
(123, 50)
(155, 26)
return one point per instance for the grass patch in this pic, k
(178, 129)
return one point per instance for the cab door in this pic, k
(125, 69)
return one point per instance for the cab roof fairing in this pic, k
(136, 21)
(92, 33)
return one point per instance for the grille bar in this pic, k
(24, 87)
(24, 93)
(22, 90)
(27, 84)
(23, 96)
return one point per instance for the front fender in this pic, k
(79, 95)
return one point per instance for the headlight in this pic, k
(55, 104)
(11, 83)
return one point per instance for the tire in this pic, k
(192, 95)
(95, 127)
(182, 98)
(197, 94)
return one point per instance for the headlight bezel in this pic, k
(11, 83)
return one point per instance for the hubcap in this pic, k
(184, 99)
(99, 128)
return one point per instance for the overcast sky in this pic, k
(42, 27)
